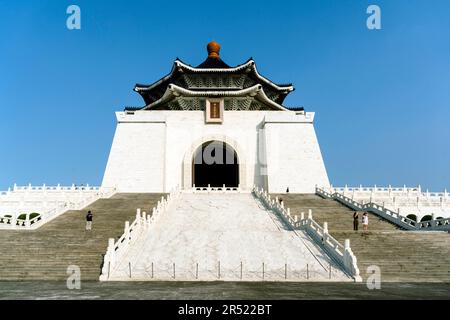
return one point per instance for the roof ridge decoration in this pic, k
(250, 64)
(213, 60)
(255, 91)
(215, 74)
(213, 50)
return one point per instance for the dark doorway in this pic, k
(215, 163)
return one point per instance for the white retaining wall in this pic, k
(152, 151)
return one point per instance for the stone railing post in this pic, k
(27, 221)
(309, 214)
(110, 254)
(13, 221)
(138, 216)
(144, 219)
(350, 262)
(127, 232)
(347, 244)
(346, 256)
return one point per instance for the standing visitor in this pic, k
(355, 220)
(365, 221)
(89, 217)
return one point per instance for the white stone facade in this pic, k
(152, 151)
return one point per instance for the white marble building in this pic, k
(234, 109)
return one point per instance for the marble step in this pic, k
(401, 255)
(45, 253)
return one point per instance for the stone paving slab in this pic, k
(54, 290)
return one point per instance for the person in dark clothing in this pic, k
(355, 220)
(287, 190)
(89, 217)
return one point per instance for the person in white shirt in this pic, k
(365, 221)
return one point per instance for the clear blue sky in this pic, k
(382, 98)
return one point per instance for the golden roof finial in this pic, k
(213, 50)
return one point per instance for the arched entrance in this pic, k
(215, 163)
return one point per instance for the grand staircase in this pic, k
(404, 256)
(225, 237)
(45, 253)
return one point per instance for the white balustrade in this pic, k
(331, 246)
(209, 189)
(403, 200)
(117, 249)
(48, 201)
